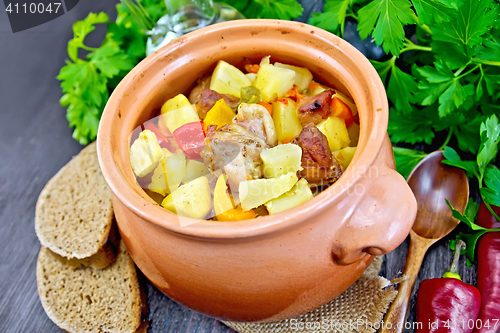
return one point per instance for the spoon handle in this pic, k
(394, 321)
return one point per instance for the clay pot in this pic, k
(278, 266)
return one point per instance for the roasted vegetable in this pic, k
(344, 156)
(178, 102)
(227, 79)
(220, 114)
(145, 153)
(223, 207)
(253, 193)
(336, 133)
(191, 139)
(340, 109)
(250, 94)
(177, 111)
(194, 169)
(274, 82)
(169, 173)
(208, 98)
(285, 118)
(297, 195)
(303, 76)
(281, 160)
(191, 200)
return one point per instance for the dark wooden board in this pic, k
(35, 142)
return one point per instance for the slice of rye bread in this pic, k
(84, 299)
(74, 214)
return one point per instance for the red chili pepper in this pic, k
(488, 272)
(191, 139)
(448, 304)
(162, 139)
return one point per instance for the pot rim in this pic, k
(144, 207)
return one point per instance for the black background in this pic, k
(35, 142)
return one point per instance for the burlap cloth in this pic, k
(359, 309)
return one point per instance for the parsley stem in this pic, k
(447, 140)
(467, 73)
(486, 62)
(425, 28)
(410, 46)
(88, 48)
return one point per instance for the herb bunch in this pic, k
(86, 81)
(442, 71)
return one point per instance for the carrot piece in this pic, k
(252, 68)
(295, 94)
(287, 140)
(341, 110)
(313, 85)
(267, 106)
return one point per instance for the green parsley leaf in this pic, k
(283, 9)
(452, 158)
(110, 59)
(490, 133)
(400, 90)
(333, 17)
(467, 133)
(407, 159)
(441, 83)
(81, 29)
(471, 241)
(459, 216)
(386, 19)
(434, 11)
(449, 53)
(409, 129)
(473, 19)
(491, 193)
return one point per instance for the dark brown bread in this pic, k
(83, 299)
(74, 214)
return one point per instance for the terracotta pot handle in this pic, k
(384, 213)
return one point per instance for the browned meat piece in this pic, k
(256, 119)
(236, 151)
(315, 108)
(208, 98)
(202, 84)
(319, 167)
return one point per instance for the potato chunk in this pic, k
(168, 174)
(227, 79)
(285, 119)
(344, 156)
(274, 82)
(303, 76)
(178, 102)
(191, 200)
(297, 195)
(336, 132)
(253, 193)
(178, 117)
(194, 169)
(281, 160)
(145, 153)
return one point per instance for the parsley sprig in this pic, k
(87, 81)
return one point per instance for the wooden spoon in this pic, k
(432, 182)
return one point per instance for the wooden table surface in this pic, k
(35, 142)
